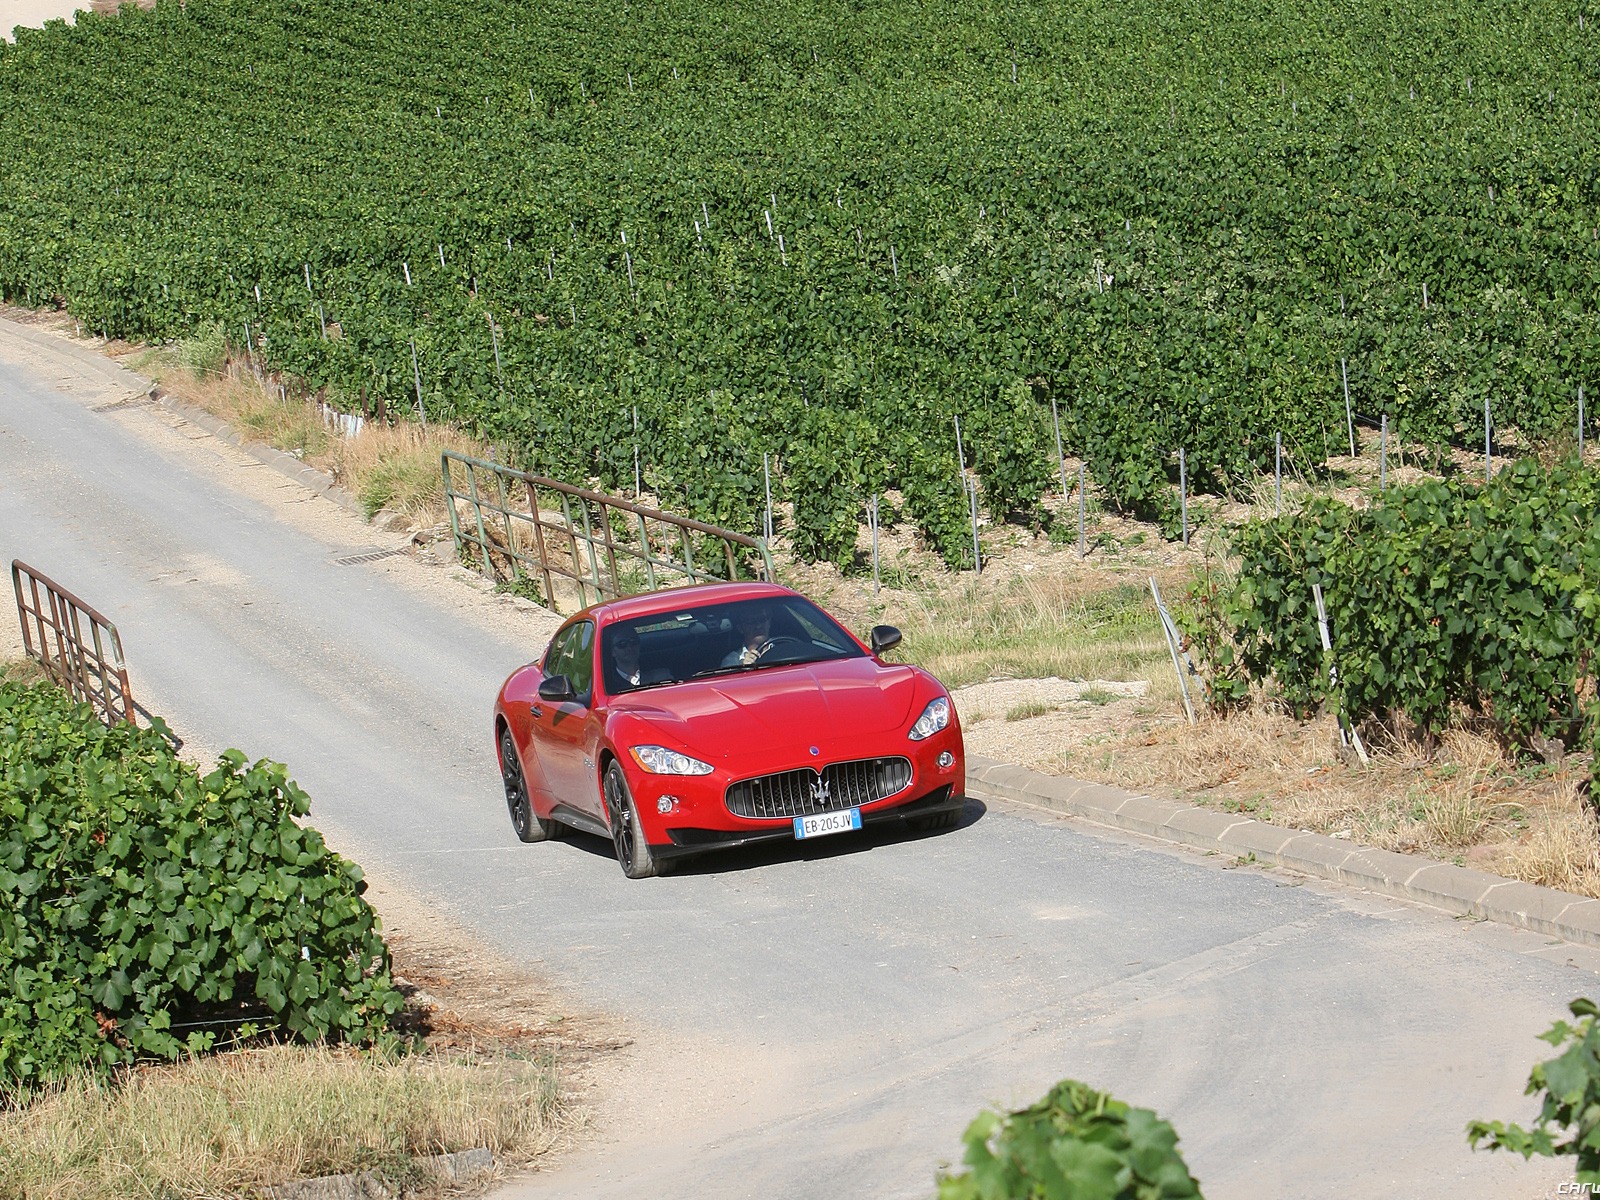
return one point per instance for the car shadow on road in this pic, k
(780, 850)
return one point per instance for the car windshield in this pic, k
(697, 641)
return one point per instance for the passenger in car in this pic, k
(626, 671)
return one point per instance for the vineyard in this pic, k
(1449, 602)
(811, 236)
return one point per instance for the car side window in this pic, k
(554, 656)
(578, 661)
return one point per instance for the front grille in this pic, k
(797, 794)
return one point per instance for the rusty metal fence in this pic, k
(579, 546)
(78, 648)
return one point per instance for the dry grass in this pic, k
(396, 468)
(232, 1124)
(20, 670)
(1469, 802)
(1070, 626)
(1028, 710)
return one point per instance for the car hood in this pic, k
(777, 709)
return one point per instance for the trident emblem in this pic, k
(819, 792)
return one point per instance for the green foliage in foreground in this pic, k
(1569, 1120)
(146, 909)
(1075, 1144)
(1441, 597)
(1173, 218)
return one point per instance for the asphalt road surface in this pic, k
(812, 1022)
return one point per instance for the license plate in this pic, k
(820, 824)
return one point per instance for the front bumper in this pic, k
(687, 814)
(687, 841)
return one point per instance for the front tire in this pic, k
(529, 825)
(633, 852)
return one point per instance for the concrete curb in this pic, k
(460, 1167)
(1455, 889)
(285, 464)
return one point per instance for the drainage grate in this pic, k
(366, 556)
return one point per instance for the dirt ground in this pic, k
(461, 993)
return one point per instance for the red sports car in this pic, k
(712, 716)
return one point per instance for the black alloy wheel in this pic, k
(530, 827)
(633, 852)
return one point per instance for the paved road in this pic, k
(813, 1023)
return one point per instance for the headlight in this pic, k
(934, 718)
(658, 760)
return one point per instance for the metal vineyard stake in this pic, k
(1347, 729)
(416, 375)
(872, 517)
(961, 457)
(1060, 458)
(766, 478)
(1277, 472)
(977, 555)
(1383, 452)
(1083, 549)
(1488, 443)
(1174, 648)
(1183, 491)
(1349, 418)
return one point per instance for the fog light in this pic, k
(666, 804)
(946, 760)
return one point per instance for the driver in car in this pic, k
(753, 623)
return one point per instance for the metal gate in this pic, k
(581, 546)
(76, 645)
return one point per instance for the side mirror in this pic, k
(556, 687)
(884, 637)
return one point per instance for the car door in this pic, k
(563, 732)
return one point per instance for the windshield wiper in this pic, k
(729, 670)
